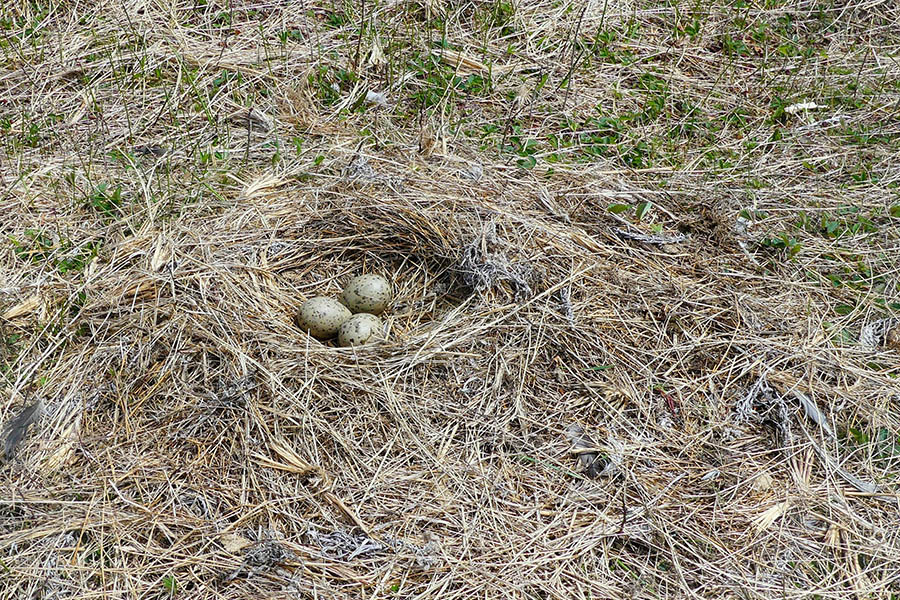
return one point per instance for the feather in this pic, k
(15, 429)
(590, 461)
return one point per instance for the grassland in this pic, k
(674, 225)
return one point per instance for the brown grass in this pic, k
(736, 439)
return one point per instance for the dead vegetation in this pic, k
(643, 342)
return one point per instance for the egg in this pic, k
(359, 329)
(322, 316)
(367, 294)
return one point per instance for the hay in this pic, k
(570, 402)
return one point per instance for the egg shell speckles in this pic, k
(322, 316)
(359, 329)
(367, 294)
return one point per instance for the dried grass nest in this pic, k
(517, 403)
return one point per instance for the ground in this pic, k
(643, 337)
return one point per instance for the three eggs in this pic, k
(353, 316)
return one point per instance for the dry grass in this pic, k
(177, 178)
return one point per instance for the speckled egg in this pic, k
(359, 329)
(322, 316)
(367, 294)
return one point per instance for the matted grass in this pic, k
(643, 341)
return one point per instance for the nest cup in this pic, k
(400, 243)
